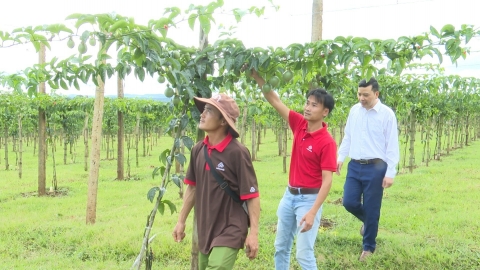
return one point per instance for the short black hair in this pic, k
(323, 97)
(373, 82)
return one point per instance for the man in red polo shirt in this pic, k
(222, 223)
(312, 165)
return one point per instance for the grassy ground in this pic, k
(429, 218)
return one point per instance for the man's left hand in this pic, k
(387, 182)
(307, 222)
(251, 246)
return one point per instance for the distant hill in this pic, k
(158, 97)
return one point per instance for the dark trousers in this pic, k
(366, 180)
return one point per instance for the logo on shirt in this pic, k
(252, 190)
(220, 166)
(310, 148)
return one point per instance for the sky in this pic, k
(381, 19)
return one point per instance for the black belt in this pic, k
(367, 161)
(297, 191)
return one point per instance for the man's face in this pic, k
(211, 119)
(313, 110)
(367, 97)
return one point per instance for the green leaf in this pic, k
(75, 83)
(188, 142)
(184, 121)
(201, 68)
(204, 23)
(85, 19)
(140, 73)
(259, 11)
(163, 31)
(238, 13)
(172, 206)
(163, 156)
(339, 39)
(176, 180)
(74, 16)
(63, 84)
(447, 30)
(191, 20)
(177, 143)
(126, 40)
(348, 58)
(175, 63)
(191, 92)
(404, 39)
(110, 71)
(398, 68)
(161, 208)
(229, 63)
(221, 63)
(181, 158)
(263, 59)
(36, 44)
(162, 192)
(155, 172)
(435, 32)
(151, 193)
(439, 54)
(392, 55)
(52, 84)
(468, 36)
(239, 61)
(369, 74)
(450, 45)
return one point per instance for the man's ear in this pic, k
(325, 112)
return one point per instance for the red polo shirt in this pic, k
(312, 152)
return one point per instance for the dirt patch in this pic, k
(61, 192)
(338, 201)
(272, 228)
(327, 223)
(135, 178)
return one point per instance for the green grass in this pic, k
(430, 219)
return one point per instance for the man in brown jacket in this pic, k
(222, 223)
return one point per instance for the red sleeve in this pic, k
(246, 177)
(294, 120)
(329, 157)
(189, 182)
(190, 175)
(249, 196)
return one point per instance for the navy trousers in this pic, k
(366, 180)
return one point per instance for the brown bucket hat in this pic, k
(226, 105)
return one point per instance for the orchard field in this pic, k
(429, 217)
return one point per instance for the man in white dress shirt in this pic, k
(371, 142)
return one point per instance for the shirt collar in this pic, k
(377, 106)
(316, 133)
(222, 145)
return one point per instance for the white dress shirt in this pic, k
(371, 134)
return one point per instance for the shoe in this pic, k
(365, 255)
(362, 230)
